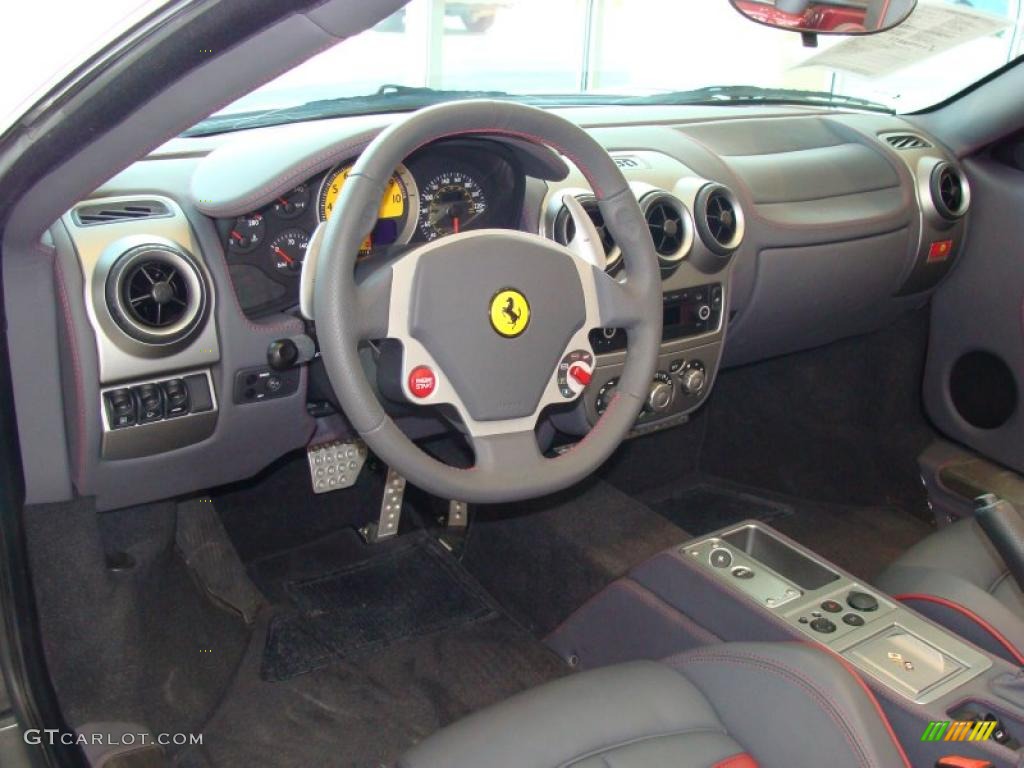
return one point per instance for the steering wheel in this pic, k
(490, 322)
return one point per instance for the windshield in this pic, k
(42, 42)
(633, 51)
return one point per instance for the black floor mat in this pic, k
(367, 705)
(413, 588)
(705, 507)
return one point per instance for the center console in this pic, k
(696, 226)
(750, 583)
(691, 318)
(893, 645)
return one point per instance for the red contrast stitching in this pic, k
(834, 710)
(871, 695)
(995, 633)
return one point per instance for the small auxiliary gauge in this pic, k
(292, 204)
(247, 232)
(288, 250)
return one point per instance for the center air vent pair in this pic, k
(156, 294)
(718, 222)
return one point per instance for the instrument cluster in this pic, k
(441, 190)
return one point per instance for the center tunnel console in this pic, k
(881, 638)
(750, 583)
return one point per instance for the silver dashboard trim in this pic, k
(97, 247)
(158, 436)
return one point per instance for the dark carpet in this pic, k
(141, 644)
(705, 506)
(833, 433)
(542, 559)
(276, 510)
(412, 588)
(364, 704)
(842, 424)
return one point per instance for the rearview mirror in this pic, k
(827, 17)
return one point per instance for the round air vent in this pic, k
(670, 225)
(156, 294)
(565, 229)
(719, 219)
(949, 191)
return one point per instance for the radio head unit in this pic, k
(687, 312)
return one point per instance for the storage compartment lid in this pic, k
(903, 661)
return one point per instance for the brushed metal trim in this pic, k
(889, 614)
(158, 436)
(97, 248)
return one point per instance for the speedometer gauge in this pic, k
(399, 208)
(452, 201)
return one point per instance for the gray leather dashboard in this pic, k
(834, 230)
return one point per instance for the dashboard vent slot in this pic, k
(670, 226)
(156, 294)
(719, 219)
(949, 191)
(904, 141)
(565, 229)
(91, 214)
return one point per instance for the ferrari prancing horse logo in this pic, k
(510, 313)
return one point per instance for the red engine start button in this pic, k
(422, 381)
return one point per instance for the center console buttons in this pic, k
(720, 558)
(831, 606)
(862, 601)
(823, 625)
(853, 620)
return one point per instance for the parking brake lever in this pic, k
(1004, 527)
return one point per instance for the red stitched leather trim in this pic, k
(828, 705)
(870, 694)
(996, 634)
(956, 761)
(742, 760)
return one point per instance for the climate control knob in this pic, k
(660, 395)
(692, 380)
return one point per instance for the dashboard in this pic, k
(777, 229)
(449, 187)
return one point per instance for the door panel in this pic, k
(975, 362)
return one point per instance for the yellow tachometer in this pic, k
(396, 217)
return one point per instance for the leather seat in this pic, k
(723, 706)
(956, 578)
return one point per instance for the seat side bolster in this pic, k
(563, 721)
(807, 703)
(963, 608)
